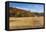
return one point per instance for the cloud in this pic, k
(23, 8)
(34, 10)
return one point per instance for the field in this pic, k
(25, 22)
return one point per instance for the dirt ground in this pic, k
(25, 22)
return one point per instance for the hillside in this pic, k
(23, 13)
(19, 12)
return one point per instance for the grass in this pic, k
(25, 22)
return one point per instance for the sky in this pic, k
(29, 7)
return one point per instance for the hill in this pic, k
(19, 12)
(23, 13)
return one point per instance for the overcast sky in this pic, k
(31, 7)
